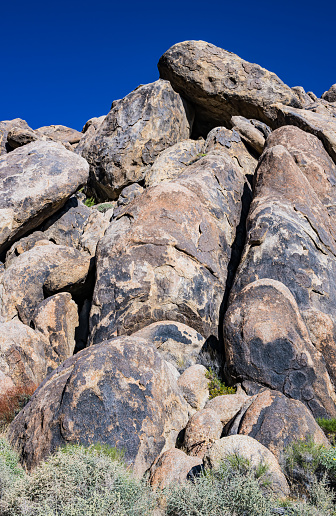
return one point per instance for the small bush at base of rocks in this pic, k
(80, 481)
(10, 469)
(305, 461)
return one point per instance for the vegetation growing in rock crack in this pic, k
(216, 386)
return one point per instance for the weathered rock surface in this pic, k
(266, 341)
(172, 466)
(140, 126)
(172, 161)
(5, 127)
(252, 450)
(35, 181)
(165, 257)
(177, 343)
(291, 239)
(330, 95)
(27, 355)
(275, 421)
(19, 136)
(224, 140)
(227, 406)
(120, 393)
(89, 131)
(203, 429)
(222, 85)
(249, 133)
(60, 133)
(45, 269)
(75, 225)
(321, 125)
(194, 386)
(129, 193)
(56, 318)
(312, 159)
(22, 357)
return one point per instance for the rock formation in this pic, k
(192, 228)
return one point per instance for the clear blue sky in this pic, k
(64, 62)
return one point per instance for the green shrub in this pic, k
(216, 386)
(328, 426)
(328, 462)
(10, 469)
(235, 488)
(80, 481)
(303, 455)
(89, 202)
(321, 502)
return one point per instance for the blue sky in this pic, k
(64, 62)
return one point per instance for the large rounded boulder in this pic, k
(120, 393)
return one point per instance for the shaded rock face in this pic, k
(165, 256)
(177, 343)
(224, 140)
(194, 386)
(290, 239)
(138, 127)
(19, 136)
(227, 406)
(250, 133)
(252, 450)
(221, 84)
(9, 125)
(275, 421)
(44, 270)
(89, 131)
(35, 181)
(75, 225)
(120, 393)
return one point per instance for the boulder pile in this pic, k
(187, 237)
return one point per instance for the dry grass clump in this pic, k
(13, 401)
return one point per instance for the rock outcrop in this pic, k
(330, 95)
(120, 393)
(35, 181)
(176, 342)
(165, 256)
(9, 125)
(221, 85)
(252, 450)
(288, 264)
(275, 421)
(173, 466)
(44, 270)
(191, 229)
(140, 126)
